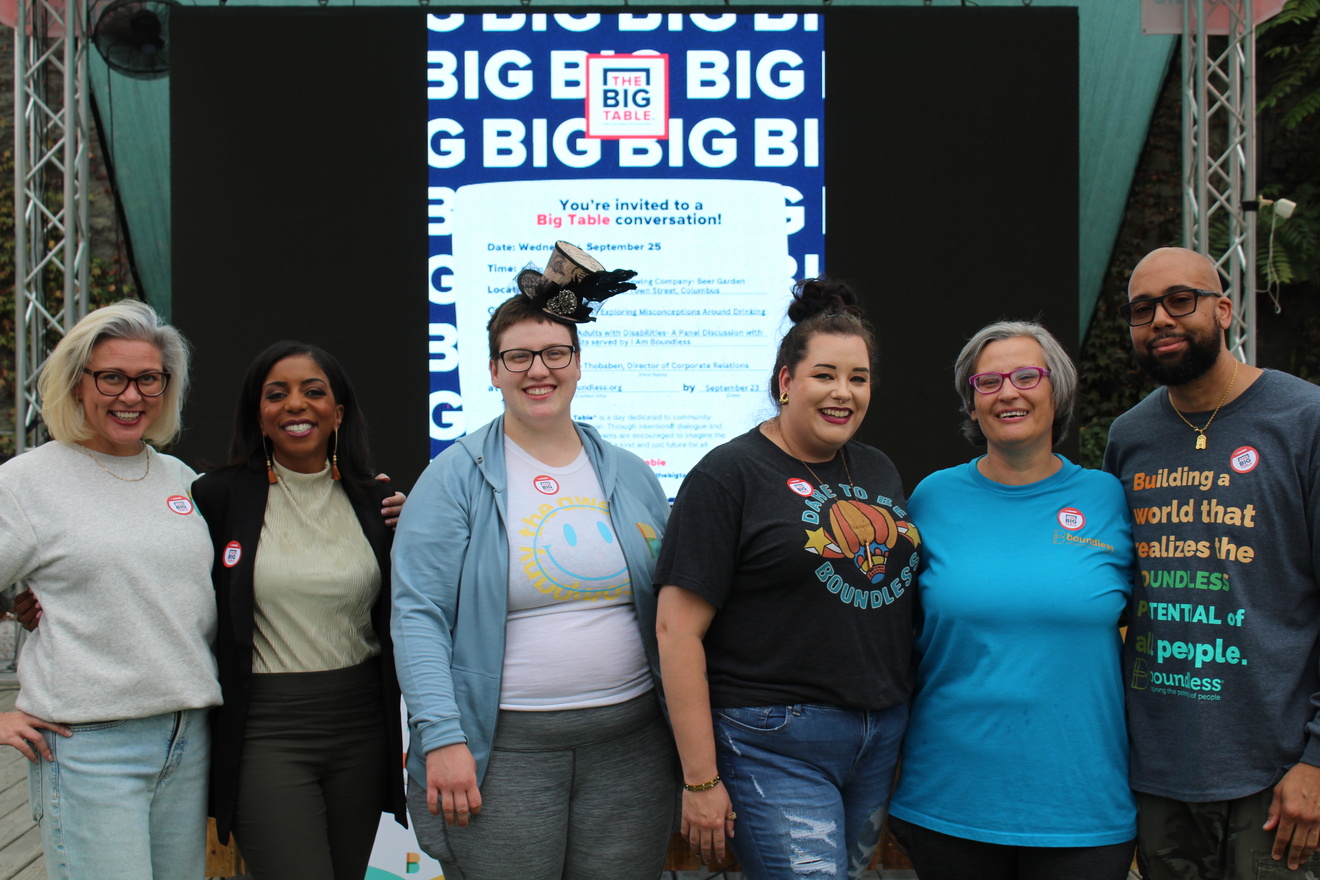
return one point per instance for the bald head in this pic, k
(1168, 268)
(1178, 349)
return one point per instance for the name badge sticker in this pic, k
(800, 486)
(1244, 459)
(1071, 518)
(180, 504)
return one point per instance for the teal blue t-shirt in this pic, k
(1017, 731)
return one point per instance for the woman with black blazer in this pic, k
(308, 743)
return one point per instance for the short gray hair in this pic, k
(127, 319)
(1063, 375)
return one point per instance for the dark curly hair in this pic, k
(820, 305)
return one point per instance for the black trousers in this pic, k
(310, 780)
(938, 856)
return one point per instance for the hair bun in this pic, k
(815, 296)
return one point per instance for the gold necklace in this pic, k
(819, 482)
(1200, 432)
(115, 475)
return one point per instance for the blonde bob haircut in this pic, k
(127, 319)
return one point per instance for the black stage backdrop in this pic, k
(299, 198)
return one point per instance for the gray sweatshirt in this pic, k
(123, 574)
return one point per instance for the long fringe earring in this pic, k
(271, 476)
(334, 458)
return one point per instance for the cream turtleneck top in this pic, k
(315, 579)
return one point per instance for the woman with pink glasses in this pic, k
(1015, 758)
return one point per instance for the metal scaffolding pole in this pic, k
(51, 179)
(1219, 154)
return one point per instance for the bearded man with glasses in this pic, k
(1222, 662)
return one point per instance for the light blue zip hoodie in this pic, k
(451, 583)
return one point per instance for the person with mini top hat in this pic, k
(524, 623)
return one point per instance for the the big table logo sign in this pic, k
(627, 96)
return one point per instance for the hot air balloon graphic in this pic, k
(862, 531)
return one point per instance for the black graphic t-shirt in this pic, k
(814, 582)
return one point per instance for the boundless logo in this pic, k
(1140, 675)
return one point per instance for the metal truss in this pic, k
(51, 180)
(1219, 154)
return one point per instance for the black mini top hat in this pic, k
(573, 285)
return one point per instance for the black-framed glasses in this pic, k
(519, 360)
(1022, 378)
(112, 383)
(1140, 312)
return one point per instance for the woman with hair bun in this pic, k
(785, 615)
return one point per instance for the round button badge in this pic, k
(1244, 459)
(1071, 518)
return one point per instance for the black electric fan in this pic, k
(133, 36)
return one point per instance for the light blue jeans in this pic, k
(125, 800)
(810, 785)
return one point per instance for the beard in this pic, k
(1201, 354)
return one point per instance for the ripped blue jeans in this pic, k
(810, 785)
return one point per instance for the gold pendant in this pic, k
(1200, 441)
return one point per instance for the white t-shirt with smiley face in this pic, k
(571, 638)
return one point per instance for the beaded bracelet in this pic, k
(703, 786)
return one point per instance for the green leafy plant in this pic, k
(1296, 87)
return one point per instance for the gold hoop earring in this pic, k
(271, 476)
(783, 398)
(334, 458)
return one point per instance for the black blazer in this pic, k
(233, 501)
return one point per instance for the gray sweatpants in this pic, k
(581, 794)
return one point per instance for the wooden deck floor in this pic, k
(20, 839)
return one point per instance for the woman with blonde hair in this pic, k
(117, 681)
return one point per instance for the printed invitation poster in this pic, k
(684, 146)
